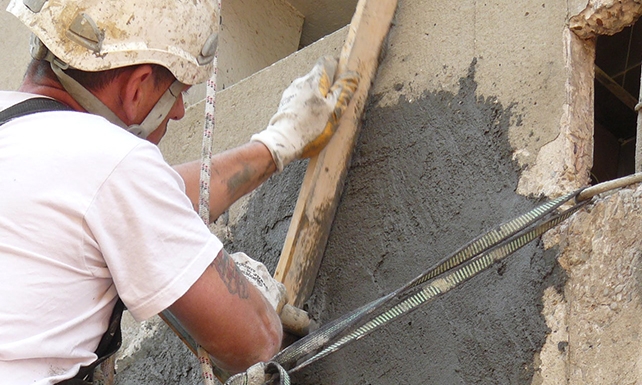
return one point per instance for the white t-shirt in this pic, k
(88, 211)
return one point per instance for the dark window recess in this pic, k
(617, 88)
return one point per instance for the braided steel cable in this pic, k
(441, 285)
(319, 340)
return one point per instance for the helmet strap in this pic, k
(93, 105)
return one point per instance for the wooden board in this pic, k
(323, 182)
(324, 179)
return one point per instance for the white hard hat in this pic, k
(97, 35)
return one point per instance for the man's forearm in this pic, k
(223, 299)
(234, 173)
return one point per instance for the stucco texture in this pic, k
(462, 87)
(428, 175)
(470, 122)
(459, 91)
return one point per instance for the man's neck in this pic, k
(49, 88)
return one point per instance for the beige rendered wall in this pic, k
(255, 34)
(15, 49)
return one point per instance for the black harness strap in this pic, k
(31, 106)
(112, 339)
(108, 345)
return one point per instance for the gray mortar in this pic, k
(162, 359)
(427, 176)
(261, 231)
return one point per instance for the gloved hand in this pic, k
(260, 374)
(256, 272)
(309, 113)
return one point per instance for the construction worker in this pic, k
(90, 212)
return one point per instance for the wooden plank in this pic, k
(324, 179)
(617, 90)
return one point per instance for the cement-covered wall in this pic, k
(478, 111)
(464, 100)
(430, 172)
(462, 88)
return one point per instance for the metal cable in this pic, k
(468, 261)
(441, 285)
(316, 341)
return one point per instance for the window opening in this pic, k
(617, 88)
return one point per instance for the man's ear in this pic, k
(136, 93)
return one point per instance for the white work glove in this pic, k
(256, 272)
(259, 374)
(309, 113)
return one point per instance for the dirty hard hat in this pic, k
(97, 35)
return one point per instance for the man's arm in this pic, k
(234, 173)
(229, 317)
(307, 117)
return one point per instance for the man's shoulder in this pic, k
(11, 98)
(81, 136)
(81, 125)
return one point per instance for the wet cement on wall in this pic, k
(261, 231)
(429, 174)
(162, 359)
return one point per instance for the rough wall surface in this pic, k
(462, 103)
(378, 222)
(428, 175)
(564, 164)
(605, 17)
(595, 321)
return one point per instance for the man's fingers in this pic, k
(308, 114)
(326, 67)
(314, 147)
(342, 92)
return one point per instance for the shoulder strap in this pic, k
(112, 339)
(108, 345)
(31, 106)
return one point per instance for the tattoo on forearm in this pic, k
(231, 275)
(239, 179)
